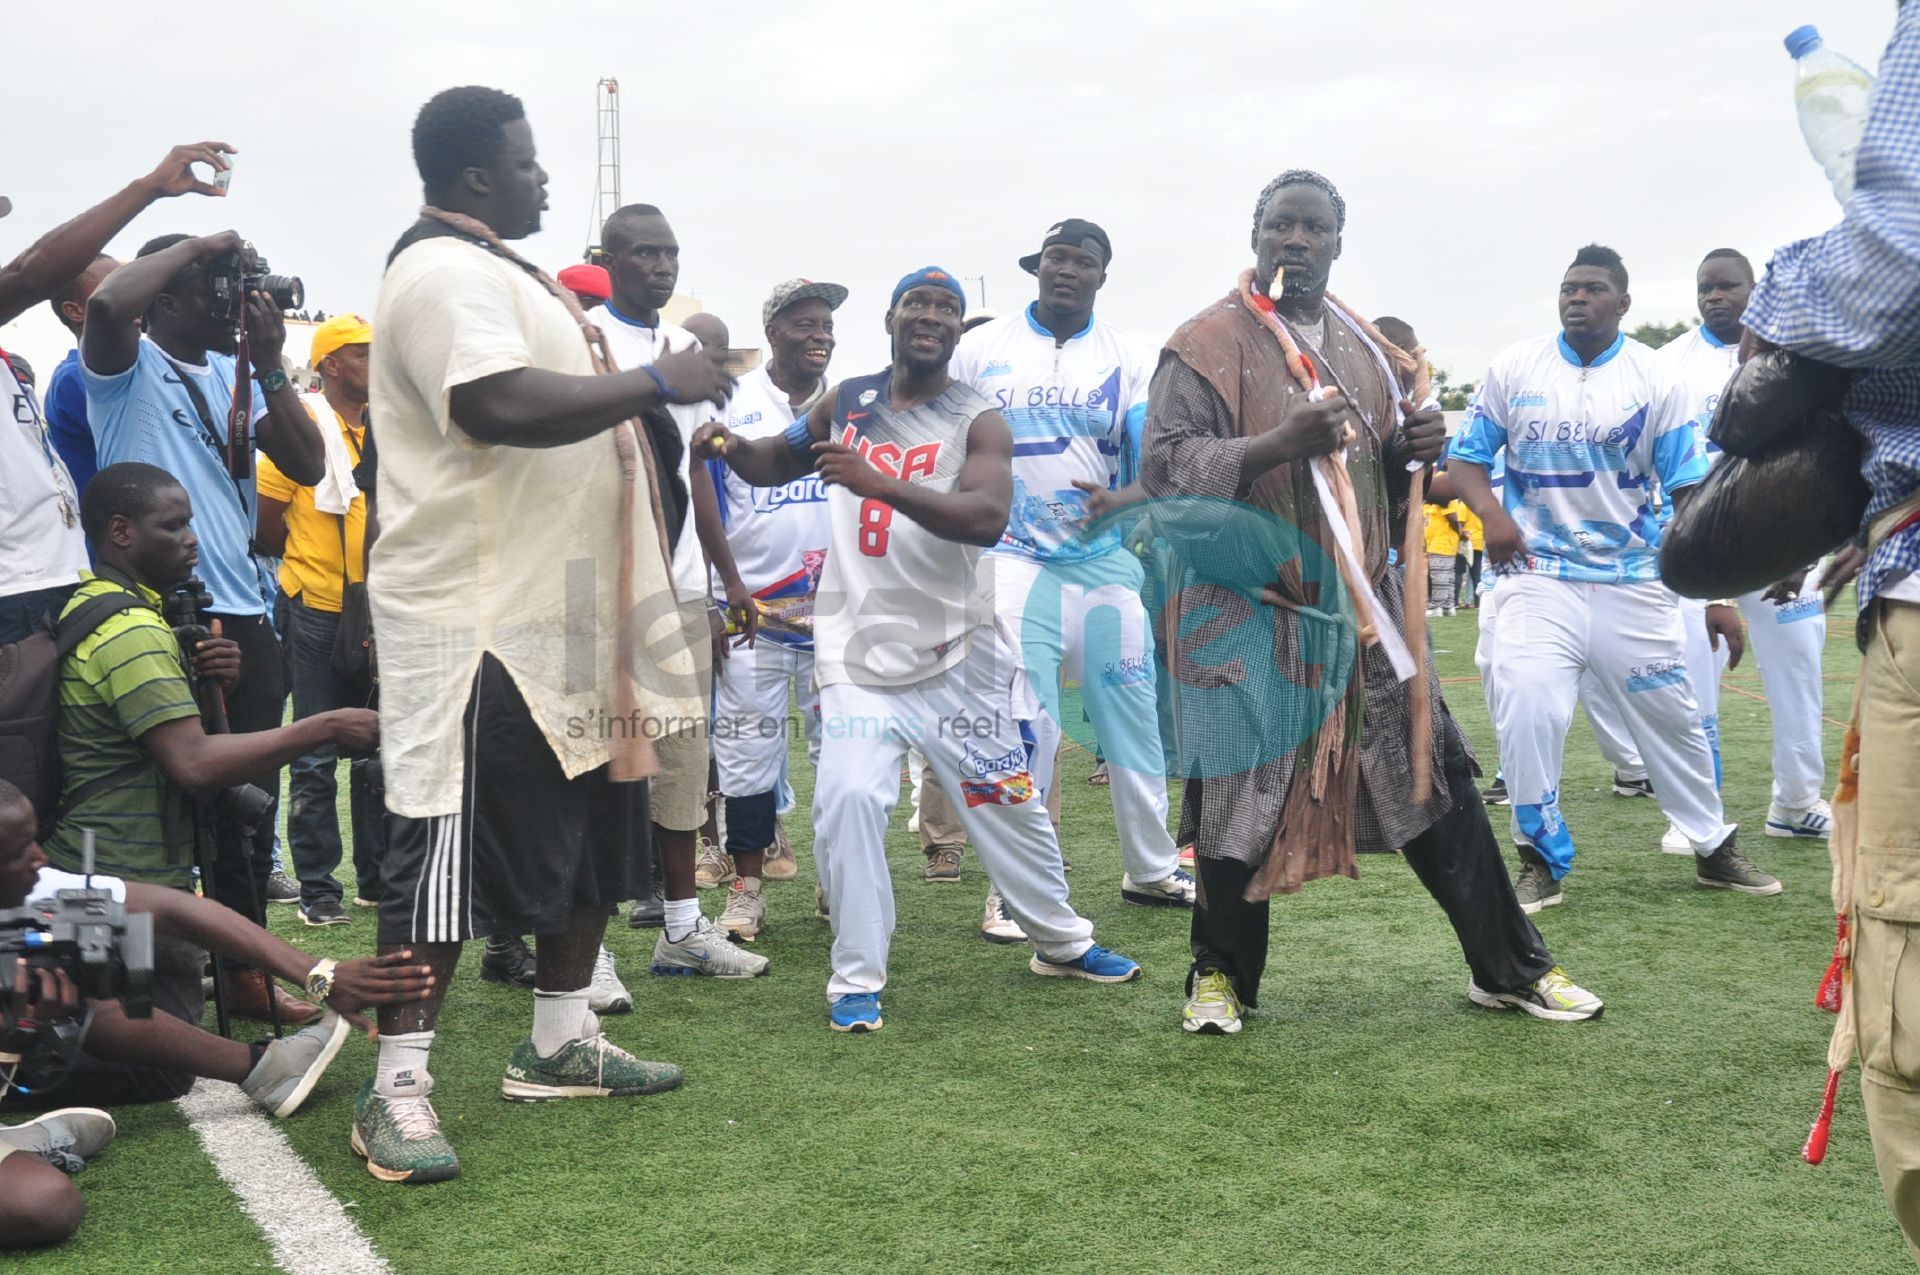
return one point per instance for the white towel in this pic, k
(336, 490)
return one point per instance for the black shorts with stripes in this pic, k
(529, 846)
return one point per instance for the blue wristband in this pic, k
(800, 440)
(666, 395)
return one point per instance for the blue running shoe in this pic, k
(856, 1012)
(1096, 964)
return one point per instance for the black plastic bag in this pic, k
(1770, 394)
(1757, 520)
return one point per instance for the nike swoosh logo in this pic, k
(857, 416)
(700, 956)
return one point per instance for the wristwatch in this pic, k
(274, 380)
(320, 979)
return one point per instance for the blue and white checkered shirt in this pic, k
(1852, 297)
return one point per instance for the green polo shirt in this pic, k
(123, 680)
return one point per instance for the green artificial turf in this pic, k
(1367, 1120)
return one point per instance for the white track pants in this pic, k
(1788, 641)
(1088, 619)
(1632, 638)
(1608, 730)
(750, 725)
(965, 721)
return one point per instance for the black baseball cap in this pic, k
(1075, 231)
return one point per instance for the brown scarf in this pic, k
(633, 756)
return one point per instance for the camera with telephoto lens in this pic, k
(242, 806)
(105, 949)
(233, 279)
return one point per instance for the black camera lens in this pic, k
(287, 291)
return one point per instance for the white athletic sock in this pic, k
(682, 916)
(402, 1070)
(561, 1017)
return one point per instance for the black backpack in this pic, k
(30, 700)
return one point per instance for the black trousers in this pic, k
(1457, 859)
(242, 861)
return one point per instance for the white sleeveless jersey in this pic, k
(897, 603)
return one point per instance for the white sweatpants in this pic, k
(1610, 729)
(965, 721)
(1789, 641)
(1632, 638)
(750, 726)
(1609, 732)
(1088, 619)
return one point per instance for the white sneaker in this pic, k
(1674, 841)
(1815, 823)
(745, 914)
(1175, 890)
(607, 994)
(705, 950)
(1553, 996)
(712, 867)
(996, 926)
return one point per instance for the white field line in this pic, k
(311, 1234)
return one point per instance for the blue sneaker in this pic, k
(1096, 964)
(856, 1012)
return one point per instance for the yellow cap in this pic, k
(341, 329)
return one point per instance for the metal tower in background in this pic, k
(606, 182)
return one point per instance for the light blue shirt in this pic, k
(146, 414)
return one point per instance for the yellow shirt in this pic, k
(310, 569)
(1470, 523)
(1442, 540)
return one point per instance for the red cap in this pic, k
(591, 281)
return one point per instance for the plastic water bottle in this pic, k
(1830, 95)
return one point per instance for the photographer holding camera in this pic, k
(131, 740)
(169, 398)
(94, 1050)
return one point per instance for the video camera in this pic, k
(106, 950)
(233, 278)
(183, 606)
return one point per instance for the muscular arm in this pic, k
(218, 929)
(974, 512)
(110, 341)
(769, 462)
(707, 525)
(66, 250)
(203, 764)
(531, 407)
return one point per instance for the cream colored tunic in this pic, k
(508, 551)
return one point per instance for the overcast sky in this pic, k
(1477, 143)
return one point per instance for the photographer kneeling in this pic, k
(78, 1043)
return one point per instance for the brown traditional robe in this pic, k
(1222, 381)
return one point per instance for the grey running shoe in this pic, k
(1624, 787)
(779, 863)
(745, 914)
(66, 1138)
(282, 888)
(607, 994)
(1214, 1008)
(712, 867)
(1553, 996)
(1535, 886)
(996, 926)
(943, 864)
(293, 1065)
(1728, 869)
(705, 950)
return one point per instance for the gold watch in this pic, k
(320, 979)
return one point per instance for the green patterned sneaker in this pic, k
(595, 1068)
(400, 1138)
